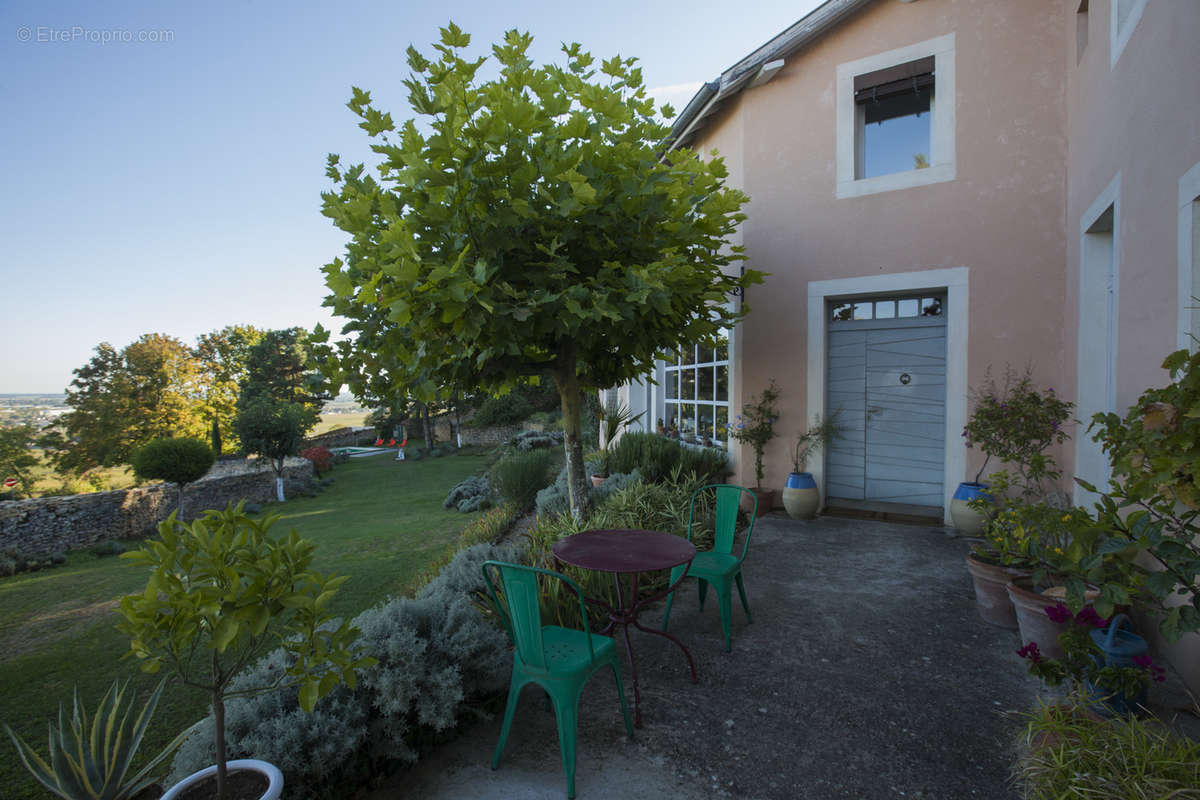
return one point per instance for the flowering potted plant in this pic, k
(800, 495)
(755, 426)
(1017, 423)
(1104, 661)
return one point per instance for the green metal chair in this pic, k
(560, 660)
(719, 566)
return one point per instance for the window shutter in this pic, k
(900, 79)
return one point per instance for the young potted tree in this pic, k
(221, 593)
(755, 426)
(800, 495)
(1017, 423)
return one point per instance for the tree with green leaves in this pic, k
(16, 458)
(530, 228)
(223, 357)
(175, 460)
(272, 429)
(280, 367)
(121, 400)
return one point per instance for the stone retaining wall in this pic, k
(490, 436)
(343, 437)
(46, 525)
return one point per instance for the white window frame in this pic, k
(1091, 463)
(1119, 35)
(1189, 196)
(665, 369)
(954, 281)
(941, 129)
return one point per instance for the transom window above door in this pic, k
(887, 308)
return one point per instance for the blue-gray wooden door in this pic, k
(887, 383)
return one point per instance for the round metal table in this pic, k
(629, 552)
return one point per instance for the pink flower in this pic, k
(1031, 652)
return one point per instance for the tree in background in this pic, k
(16, 460)
(223, 356)
(122, 400)
(178, 460)
(272, 429)
(281, 367)
(535, 230)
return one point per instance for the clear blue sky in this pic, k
(172, 183)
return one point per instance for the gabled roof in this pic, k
(759, 67)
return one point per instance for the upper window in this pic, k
(896, 119)
(1123, 18)
(893, 118)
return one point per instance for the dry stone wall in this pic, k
(343, 437)
(47, 525)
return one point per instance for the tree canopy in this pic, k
(280, 367)
(529, 227)
(122, 399)
(223, 357)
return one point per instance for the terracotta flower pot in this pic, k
(991, 591)
(766, 500)
(1031, 606)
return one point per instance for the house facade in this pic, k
(939, 188)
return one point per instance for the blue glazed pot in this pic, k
(965, 518)
(800, 496)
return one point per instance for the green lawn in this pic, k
(381, 522)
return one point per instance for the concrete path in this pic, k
(867, 673)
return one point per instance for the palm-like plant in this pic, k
(89, 757)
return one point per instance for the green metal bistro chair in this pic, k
(560, 660)
(719, 566)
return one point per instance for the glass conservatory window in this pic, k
(696, 391)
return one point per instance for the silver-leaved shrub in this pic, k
(439, 659)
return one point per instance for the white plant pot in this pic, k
(274, 777)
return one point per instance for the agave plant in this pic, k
(89, 757)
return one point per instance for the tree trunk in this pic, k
(427, 428)
(219, 725)
(216, 438)
(572, 408)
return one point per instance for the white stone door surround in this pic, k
(954, 282)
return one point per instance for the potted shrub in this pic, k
(614, 418)
(1152, 506)
(1016, 422)
(800, 495)
(221, 593)
(755, 426)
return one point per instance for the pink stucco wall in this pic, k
(1002, 217)
(1139, 119)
